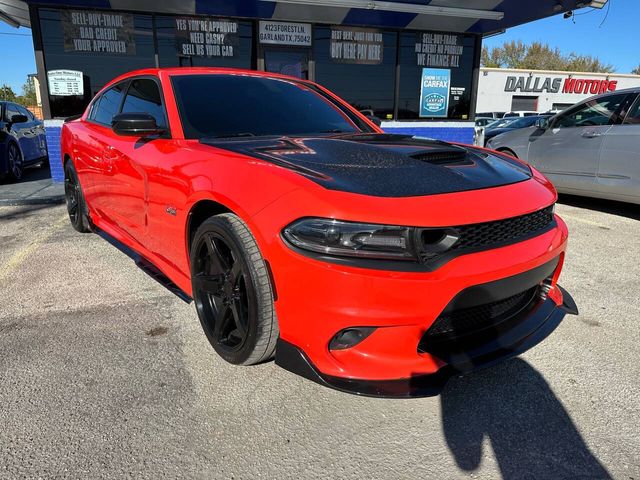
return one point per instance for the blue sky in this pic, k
(615, 41)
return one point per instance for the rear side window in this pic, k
(144, 96)
(598, 111)
(108, 105)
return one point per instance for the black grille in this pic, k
(471, 320)
(491, 234)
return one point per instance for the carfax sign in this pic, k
(434, 92)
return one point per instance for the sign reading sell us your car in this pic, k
(434, 92)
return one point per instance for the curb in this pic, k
(53, 200)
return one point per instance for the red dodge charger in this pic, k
(372, 263)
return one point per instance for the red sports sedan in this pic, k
(372, 263)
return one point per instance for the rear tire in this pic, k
(232, 291)
(76, 205)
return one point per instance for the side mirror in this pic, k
(19, 119)
(135, 124)
(543, 123)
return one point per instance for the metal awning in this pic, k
(473, 16)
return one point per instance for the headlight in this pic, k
(335, 237)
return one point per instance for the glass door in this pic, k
(292, 62)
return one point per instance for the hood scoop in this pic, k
(443, 156)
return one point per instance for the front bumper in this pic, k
(529, 330)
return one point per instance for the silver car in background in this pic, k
(590, 149)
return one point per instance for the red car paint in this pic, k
(142, 193)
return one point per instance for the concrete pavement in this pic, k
(103, 373)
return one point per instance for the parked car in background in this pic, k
(484, 121)
(590, 149)
(495, 115)
(508, 124)
(520, 113)
(312, 235)
(22, 140)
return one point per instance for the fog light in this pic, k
(350, 337)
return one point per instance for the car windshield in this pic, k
(224, 106)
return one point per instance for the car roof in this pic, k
(200, 71)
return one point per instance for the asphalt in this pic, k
(35, 188)
(104, 374)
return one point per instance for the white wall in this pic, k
(492, 96)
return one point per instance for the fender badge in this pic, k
(171, 210)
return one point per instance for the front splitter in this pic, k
(536, 327)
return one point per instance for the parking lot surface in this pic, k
(103, 373)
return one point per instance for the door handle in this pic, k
(591, 134)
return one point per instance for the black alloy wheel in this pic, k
(15, 162)
(76, 206)
(232, 291)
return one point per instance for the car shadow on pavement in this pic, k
(530, 432)
(11, 213)
(629, 210)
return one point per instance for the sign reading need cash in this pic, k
(98, 32)
(439, 50)
(206, 37)
(356, 45)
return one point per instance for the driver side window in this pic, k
(599, 111)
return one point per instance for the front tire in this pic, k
(15, 162)
(76, 205)
(232, 291)
(508, 152)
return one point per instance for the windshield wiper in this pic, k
(233, 135)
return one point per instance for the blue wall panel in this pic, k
(55, 158)
(455, 134)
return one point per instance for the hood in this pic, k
(382, 165)
(497, 131)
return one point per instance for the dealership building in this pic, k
(413, 63)
(505, 90)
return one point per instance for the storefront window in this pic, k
(203, 42)
(359, 65)
(449, 60)
(89, 48)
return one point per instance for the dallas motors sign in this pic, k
(531, 84)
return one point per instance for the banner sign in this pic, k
(285, 33)
(439, 49)
(535, 84)
(206, 37)
(65, 83)
(98, 32)
(362, 46)
(434, 92)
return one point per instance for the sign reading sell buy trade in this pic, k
(434, 92)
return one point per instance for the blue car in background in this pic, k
(22, 140)
(508, 124)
